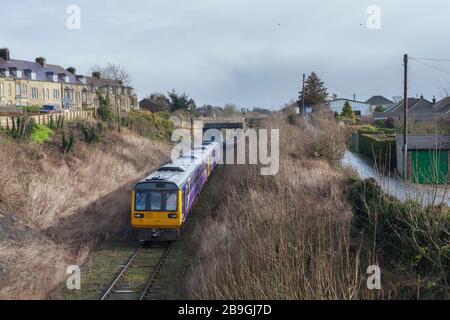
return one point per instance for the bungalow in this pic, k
(360, 108)
(418, 110)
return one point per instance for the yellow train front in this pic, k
(162, 202)
(157, 207)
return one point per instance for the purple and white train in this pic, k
(162, 202)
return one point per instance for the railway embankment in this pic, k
(314, 231)
(63, 196)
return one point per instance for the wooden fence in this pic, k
(7, 121)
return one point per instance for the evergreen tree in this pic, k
(104, 109)
(181, 102)
(348, 111)
(315, 91)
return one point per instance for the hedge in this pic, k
(379, 148)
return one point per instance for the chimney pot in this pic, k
(72, 70)
(434, 100)
(4, 53)
(41, 61)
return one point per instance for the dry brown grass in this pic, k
(66, 203)
(283, 237)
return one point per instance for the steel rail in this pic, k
(156, 272)
(119, 277)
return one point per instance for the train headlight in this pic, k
(173, 216)
(139, 216)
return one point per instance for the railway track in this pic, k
(136, 280)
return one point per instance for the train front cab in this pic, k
(156, 205)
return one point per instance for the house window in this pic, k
(2, 88)
(47, 94)
(55, 78)
(18, 90)
(10, 89)
(19, 74)
(34, 93)
(55, 94)
(33, 76)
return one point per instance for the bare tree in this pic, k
(119, 77)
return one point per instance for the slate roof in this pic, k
(379, 101)
(396, 110)
(42, 72)
(100, 83)
(443, 107)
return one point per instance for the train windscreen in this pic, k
(156, 201)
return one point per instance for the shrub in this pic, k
(51, 123)
(31, 109)
(379, 148)
(104, 111)
(67, 145)
(92, 133)
(405, 234)
(380, 108)
(41, 134)
(368, 129)
(380, 123)
(22, 128)
(149, 125)
(292, 118)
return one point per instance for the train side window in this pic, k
(156, 201)
(141, 201)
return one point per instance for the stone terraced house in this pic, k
(36, 83)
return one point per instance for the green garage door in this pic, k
(429, 167)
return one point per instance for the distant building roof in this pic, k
(349, 100)
(379, 101)
(443, 107)
(397, 108)
(420, 109)
(100, 82)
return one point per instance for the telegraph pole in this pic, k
(192, 129)
(303, 96)
(405, 118)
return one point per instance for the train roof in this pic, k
(178, 171)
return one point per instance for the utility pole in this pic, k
(405, 118)
(303, 96)
(192, 129)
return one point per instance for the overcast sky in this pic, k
(249, 52)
